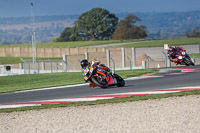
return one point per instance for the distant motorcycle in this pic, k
(100, 77)
(183, 58)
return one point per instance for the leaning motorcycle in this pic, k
(184, 58)
(101, 77)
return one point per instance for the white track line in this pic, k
(132, 78)
(76, 85)
(98, 97)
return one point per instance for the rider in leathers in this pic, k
(172, 52)
(84, 63)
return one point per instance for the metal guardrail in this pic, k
(129, 59)
(113, 64)
(42, 65)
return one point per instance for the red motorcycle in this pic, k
(183, 58)
(98, 76)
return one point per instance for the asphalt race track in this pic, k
(158, 81)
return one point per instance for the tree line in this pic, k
(157, 26)
(100, 24)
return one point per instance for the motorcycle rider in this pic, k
(172, 52)
(85, 63)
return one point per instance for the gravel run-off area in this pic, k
(167, 115)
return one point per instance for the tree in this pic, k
(65, 35)
(75, 34)
(127, 30)
(195, 32)
(96, 24)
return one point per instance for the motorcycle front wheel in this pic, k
(188, 62)
(120, 80)
(102, 84)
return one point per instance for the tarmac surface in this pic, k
(167, 115)
(133, 85)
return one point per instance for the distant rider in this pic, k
(172, 52)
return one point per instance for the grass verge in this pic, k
(115, 100)
(72, 44)
(195, 55)
(136, 43)
(160, 43)
(35, 81)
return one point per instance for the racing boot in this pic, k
(92, 84)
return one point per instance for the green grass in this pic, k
(137, 43)
(195, 55)
(34, 81)
(71, 44)
(16, 60)
(160, 43)
(115, 100)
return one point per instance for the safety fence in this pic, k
(41, 66)
(115, 58)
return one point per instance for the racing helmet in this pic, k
(84, 63)
(171, 49)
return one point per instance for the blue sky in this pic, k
(18, 8)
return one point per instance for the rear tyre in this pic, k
(120, 80)
(98, 83)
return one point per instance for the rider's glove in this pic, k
(112, 72)
(95, 63)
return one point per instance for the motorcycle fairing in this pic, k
(109, 79)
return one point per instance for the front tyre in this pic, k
(192, 64)
(120, 80)
(189, 62)
(102, 84)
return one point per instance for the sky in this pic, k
(21, 8)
